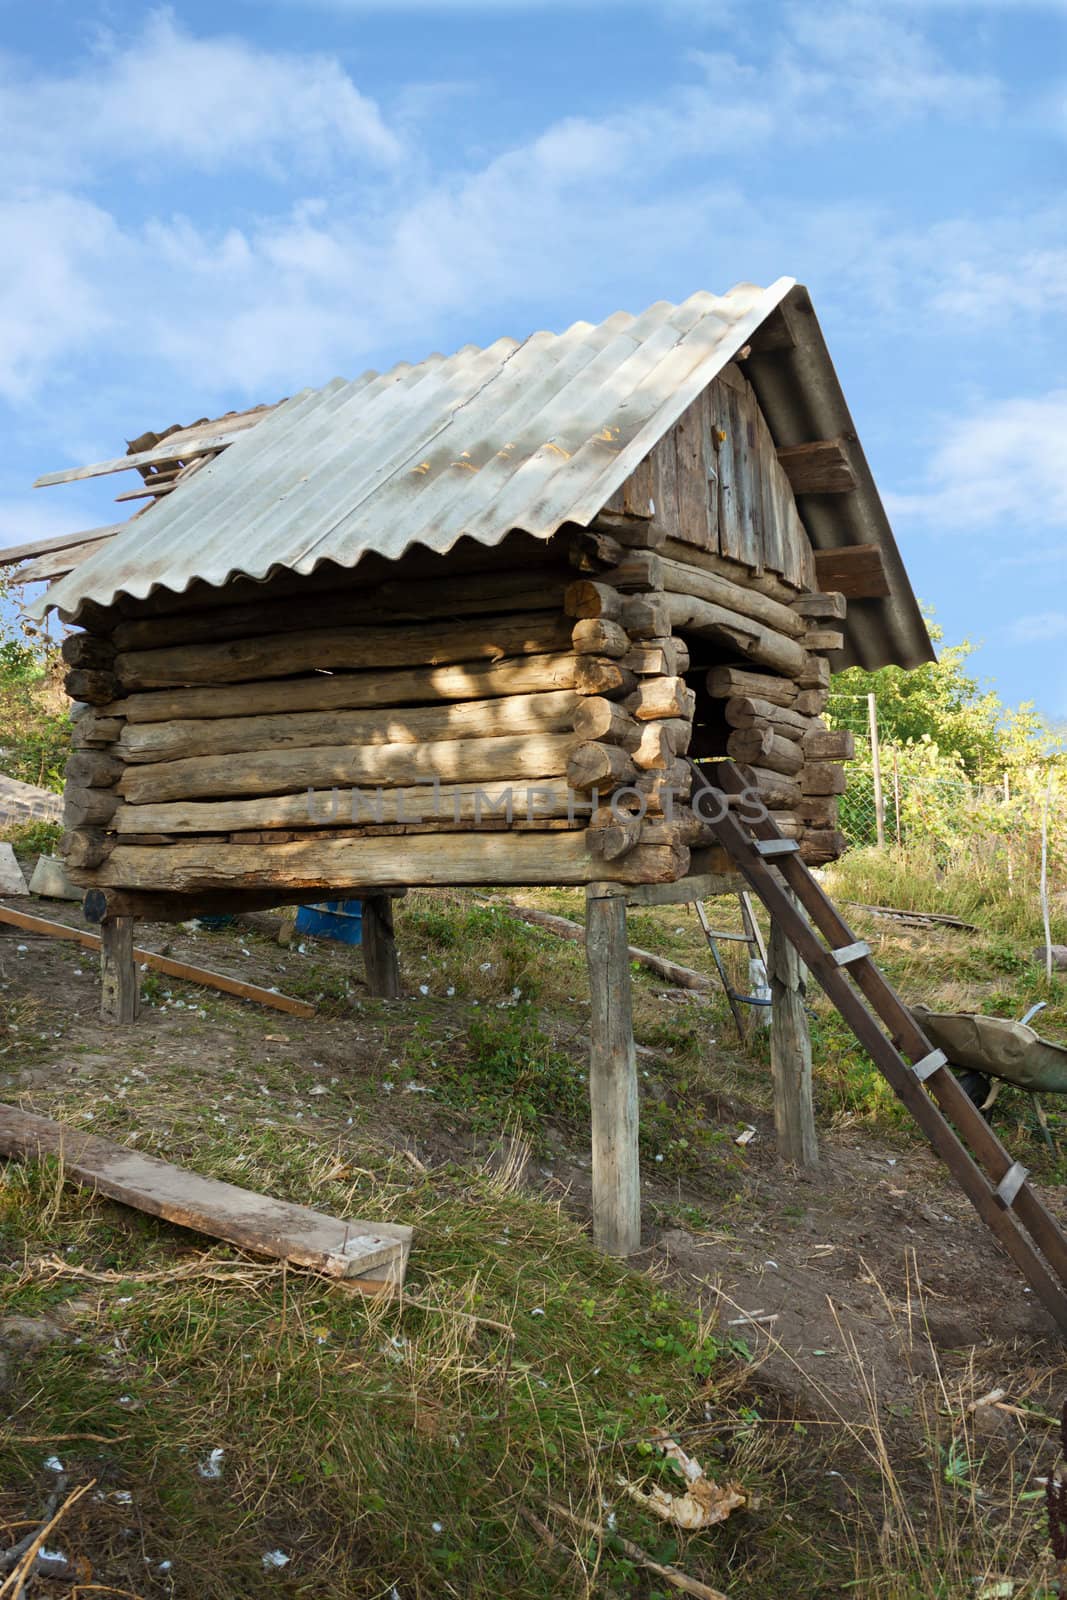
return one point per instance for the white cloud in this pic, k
(1030, 281)
(575, 215)
(1039, 627)
(25, 519)
(1001, 467)
(59, 257)
(210, 104)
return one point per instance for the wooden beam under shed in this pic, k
(821, 467)
(857, 571)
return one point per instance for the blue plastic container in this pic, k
(333, 919)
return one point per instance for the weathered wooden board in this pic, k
(165, 964)
(694, 486)
(58, 541)
(376, 1252)
(612, 1075)
(533, 800)
(857, 571)
(821, 467)
(464, 594)
(718, 486)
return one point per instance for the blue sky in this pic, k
(206, 206)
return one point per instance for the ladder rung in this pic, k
(776, 847)
(738, 938)
(850, 953)
(1010, 1184)
(929, 1065)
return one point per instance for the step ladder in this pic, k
(757, 960)
(921, 1076)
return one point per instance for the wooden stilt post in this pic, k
(379, 947)
(120, 982)
(794, 1117)
(612, 1074)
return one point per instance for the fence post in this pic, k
(876, 771)
(896, 791)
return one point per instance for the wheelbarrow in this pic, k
(990, 1051)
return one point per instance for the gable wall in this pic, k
(716, 484)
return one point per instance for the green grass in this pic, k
(33, 838)
(350, 1428)
(375, 1443)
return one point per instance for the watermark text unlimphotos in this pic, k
(530, 803)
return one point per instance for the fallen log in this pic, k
(564, 928)
(937, 918)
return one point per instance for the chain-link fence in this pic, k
(912, 793)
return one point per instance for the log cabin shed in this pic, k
(470, 622)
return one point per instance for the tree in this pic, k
(941, 704)
(34, 725)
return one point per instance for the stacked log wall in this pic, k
(712, 510)
(269, 740)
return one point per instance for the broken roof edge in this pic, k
(280, 568)
(801, 398)
(582, 510)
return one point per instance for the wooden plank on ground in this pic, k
(373, 1251)
(164, 964)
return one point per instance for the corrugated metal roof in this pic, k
(519, 435)
(523, 435)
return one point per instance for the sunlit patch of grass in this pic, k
(965, 884)
(32, 838)
(374, 1442)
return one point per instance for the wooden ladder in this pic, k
(753, 938)
(921, 1076)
